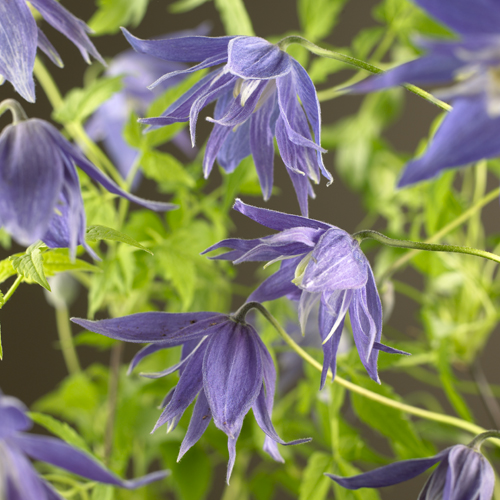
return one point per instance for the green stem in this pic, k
(430, 247)
(478, 440)
(12, 289)
(443, 232)
(412, 410)
(75, 129)
(66, 340)
(358, 63)
(114, 381)
(18, 113)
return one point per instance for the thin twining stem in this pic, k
(412, 410)
(417, 245)
(358, 63)
(492, 195)
(11, 290)
(75, 129)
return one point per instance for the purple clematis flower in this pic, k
(470, 131)
(257, 89)
(39, 187)
(18, 478)
(108, 122)
(320, 263)
(20, 37)
(224, 362)
(462, 474)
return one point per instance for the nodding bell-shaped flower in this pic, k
(463, 473)
(19, 479)
(320, 263)
(20, 37)
(224, 363)
(257, 88)
(469, 132)
(40, 195)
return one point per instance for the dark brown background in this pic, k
(33, 367)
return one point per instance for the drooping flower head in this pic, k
(463, 473)
(320, 263)
(139, 70)
(224, 364)
(19, 479)
(39, 187)
(257, 89)
(469, 132)
(20, 37)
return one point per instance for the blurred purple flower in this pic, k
(224, 362)
(18, 478)
(470, 131)
(20, 37)
(320, 263)
(462, 474)
(139, 70)
(257, 92)
(39, 187)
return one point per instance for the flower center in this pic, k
(245, 88)
(301, 269)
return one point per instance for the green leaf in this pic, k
(182, 474)
(235, 17)
(97, 233)
(185, 5)
(318, 17)
(30, 265)
(103, 492)
(58, 260)
(60, 429)
(166, 170)
(80, 103)
(315, 484)
(6, 269)
(115, 13)
(391, 423)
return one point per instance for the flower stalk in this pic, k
(358, 63)
(18, 113)
(412, 410)
(417, 245)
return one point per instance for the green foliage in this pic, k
(30, 265)
(80, 103)
(185, 5)
(315, 484)
(391, 423)
(60, 429)
(112, 14)
(234, 17)
(318, 17)
(98, 233)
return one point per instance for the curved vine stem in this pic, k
(417, 245)
(358, 63)
(411, 410)
(495, 193)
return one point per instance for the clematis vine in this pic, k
(138, 70)
(463, 473)
(224, 363)
(39, 187)
(20, 37)
(469, 132)
(257, 89)
(320, 263)
(18, 478)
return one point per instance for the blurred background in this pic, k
(33, 365)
